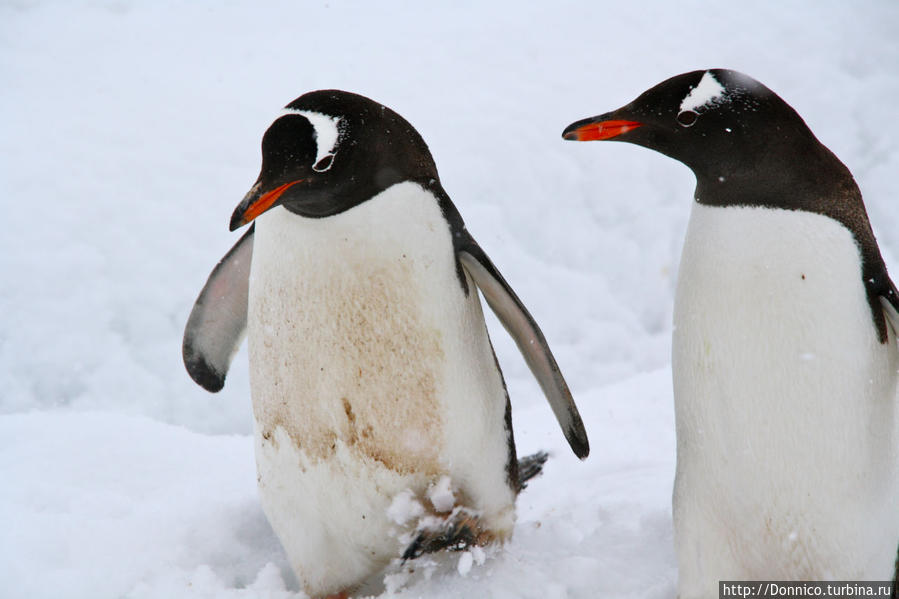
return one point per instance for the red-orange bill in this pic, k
(264, 202)
(601, 130)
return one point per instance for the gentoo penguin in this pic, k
(378, 403)
(784, 348)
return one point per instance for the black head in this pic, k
(330, 150)
(744, 143)
(747, 147)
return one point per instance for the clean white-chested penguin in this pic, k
(371, 371)
(784, 349)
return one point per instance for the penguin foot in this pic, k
(461, 530)
(530, 466)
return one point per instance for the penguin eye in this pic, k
(686, 118)
(323, 164)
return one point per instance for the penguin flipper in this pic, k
(530, 340)
(890, 303)
(889, 310)
(218, 321)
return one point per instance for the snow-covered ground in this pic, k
(131, 130)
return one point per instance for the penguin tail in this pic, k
(530, 466)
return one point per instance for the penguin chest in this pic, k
(784, 396)
(344, 344)
(773, 326)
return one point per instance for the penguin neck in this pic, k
(343, 195)
(795, 174)
(804, 176)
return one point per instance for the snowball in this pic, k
(441, 495)
(465, 561)
(404, 507)
(395, 581)
(268, 579)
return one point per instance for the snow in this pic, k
(134, 131)
(440, 494)
(404, 507)
(465, 563)
(707, 91)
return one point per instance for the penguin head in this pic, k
(330, 150)
(718, 122)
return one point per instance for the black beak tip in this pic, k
(571, 131)
(236, 221)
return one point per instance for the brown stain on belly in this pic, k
(352, 360)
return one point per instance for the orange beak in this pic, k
(252, 206)
(594, 129)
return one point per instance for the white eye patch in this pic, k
(326, 134)
(707, 91)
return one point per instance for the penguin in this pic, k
(382, 424)
(784, 354)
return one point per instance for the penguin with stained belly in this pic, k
(784, 351)
(373, 380)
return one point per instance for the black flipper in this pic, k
(218, 321)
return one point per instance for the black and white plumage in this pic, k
(371, 370)
(784, 348)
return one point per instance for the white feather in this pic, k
(785, 404)
(327, 131)
(706, 92)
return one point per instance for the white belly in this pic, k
(371, 373)
(785, 403)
